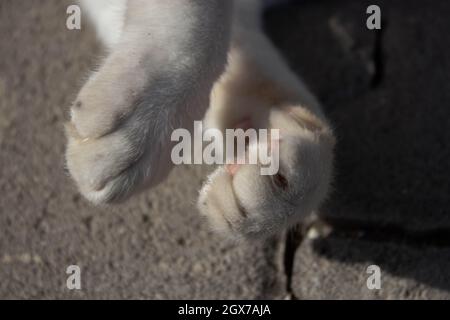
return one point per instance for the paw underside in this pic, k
(242, 203)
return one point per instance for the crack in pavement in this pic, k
(294, 238)
(378, 58)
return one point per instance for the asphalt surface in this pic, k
(387, 94)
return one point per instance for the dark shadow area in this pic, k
(387, 94)
(392, 157)
(429, 266)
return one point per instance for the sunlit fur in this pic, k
(167, 64)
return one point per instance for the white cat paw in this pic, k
(119, 133)
(241, 203)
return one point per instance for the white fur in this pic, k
(108, 17)
(159, 76)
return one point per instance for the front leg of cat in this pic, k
(258, 90)
(158, 77)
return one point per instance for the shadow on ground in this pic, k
(387, 94)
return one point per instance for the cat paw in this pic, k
(241, 203)
(121, 122)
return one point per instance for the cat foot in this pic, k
(241, 203)
(121, 122)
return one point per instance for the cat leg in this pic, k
(259, 89)
(157, 77)
(108, 18)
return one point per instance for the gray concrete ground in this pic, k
(387, 94)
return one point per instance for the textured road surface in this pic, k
(387, 94)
